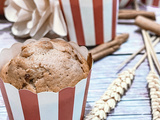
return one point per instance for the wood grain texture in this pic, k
(135, 104)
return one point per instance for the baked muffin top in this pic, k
(45, 66)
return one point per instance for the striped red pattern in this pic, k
(66, 101)
(156, 3)
(85, 96)
(5, 98)
(64, 17)
(1, 6)
(77, 21)
(114, 21)
(98, 20)
(30, 105)
(79, 31)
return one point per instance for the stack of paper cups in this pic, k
(90, 22)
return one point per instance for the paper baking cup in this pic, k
(124, 3)
(90, 22)
(1, 6)
(155, 3)
(68, 104)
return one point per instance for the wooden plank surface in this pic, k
(135, 104)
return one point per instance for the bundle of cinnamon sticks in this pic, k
(147, 24)
(108, 47)
(143, 19)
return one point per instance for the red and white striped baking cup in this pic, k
(124, 3)
(68, 104)
(155, 3)
(90, 22)
(1, 6)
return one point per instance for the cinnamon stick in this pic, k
(105, 52)
(117, 41)
(148, 24)
(122, 38)
(132, 14)
(126, 11)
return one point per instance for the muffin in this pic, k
(45, 66)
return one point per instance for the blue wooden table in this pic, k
(135, 104)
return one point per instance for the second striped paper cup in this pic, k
(90, 22)
(155, 3)
(68, 104)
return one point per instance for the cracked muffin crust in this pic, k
(45, 66)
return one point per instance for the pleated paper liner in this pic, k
(90, 22)
(67, 104)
